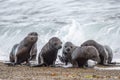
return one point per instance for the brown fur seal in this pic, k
(48, 53)
(100, 48)
(68, 48)
(21, 52)
(81, 55)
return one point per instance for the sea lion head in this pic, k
(55, 43)
(33, 34)
(32, 37)
(90, 43)
(68, 47)
(30, 40)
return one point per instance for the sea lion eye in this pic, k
(71, 46)
(65, 46)
(32, 38)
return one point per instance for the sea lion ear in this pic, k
(36, 34)
(50, 42)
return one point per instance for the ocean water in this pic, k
(70, 20)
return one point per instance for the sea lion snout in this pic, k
(59, 46)
(68, 49)
(33, 38)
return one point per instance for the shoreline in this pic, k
(50, 73)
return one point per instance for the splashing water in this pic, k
(70, 20)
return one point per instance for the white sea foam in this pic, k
(70, 20)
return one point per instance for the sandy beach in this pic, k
(51, 73)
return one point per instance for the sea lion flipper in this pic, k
(61, 58)
(38, 65)
(9, 63)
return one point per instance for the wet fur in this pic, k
(68, 49)
(100, 48)
(81, 55)
(21, 52)
(48, 53)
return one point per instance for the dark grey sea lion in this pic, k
(21, 52)
(100, 48)
(68, 48)
(81, 55)
(48, 53)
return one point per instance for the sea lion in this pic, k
(68, 48)
(21, 52)
(102, 52)
(81, 55)
(48, 53)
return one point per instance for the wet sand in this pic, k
(51, 73)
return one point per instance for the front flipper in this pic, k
(9, 63)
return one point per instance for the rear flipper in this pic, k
(9, 63)
(61, 59)
(38, 65)
(113, 64)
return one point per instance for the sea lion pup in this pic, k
(68, 48)
(21, 52)
(48, 53)
(81, 55)
(33, 52)
(102, 53)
